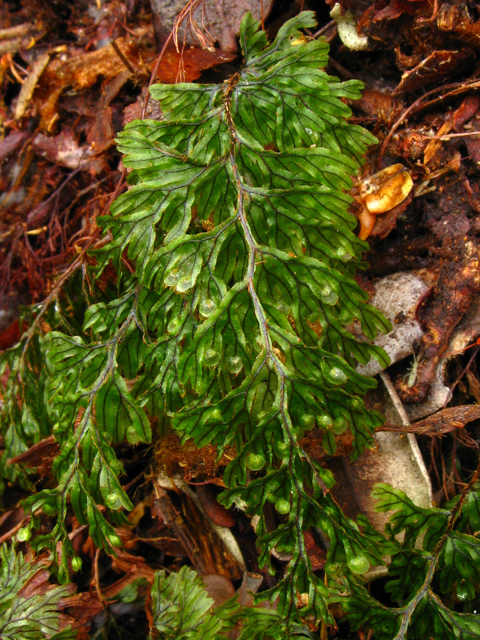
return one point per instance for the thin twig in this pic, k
(123, 58)
(13, 530)
(397, 403)
(325, 28)
(453, 135)
(97, 580)
(32, 216)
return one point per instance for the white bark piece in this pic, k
(396, 297)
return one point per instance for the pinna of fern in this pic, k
(234, 318)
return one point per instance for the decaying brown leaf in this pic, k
(458, 285)
(80, 72)
(439, 64)
(215, 511)
(39, 456)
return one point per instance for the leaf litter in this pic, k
(71, 79)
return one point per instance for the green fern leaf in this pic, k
(434, 619)
(234, 321)
(448, 562)
(24, 418)
(181, 609)
(25, 615)
(410, 518)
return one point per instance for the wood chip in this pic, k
(439, 423)
(28, 87)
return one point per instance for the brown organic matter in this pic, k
(441, 422)
(207, 553)
(458, 284)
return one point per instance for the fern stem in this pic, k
(407, 612)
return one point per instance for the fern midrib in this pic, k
(254, 251)
(84, 424)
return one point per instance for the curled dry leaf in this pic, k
(390, 12)
(40, 455)
(251, 583)
(132, 565)
(382, 192)
(465, 111)
(62, 149)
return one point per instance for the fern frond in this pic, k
(181, 608)
(235, 320)
(29, 612)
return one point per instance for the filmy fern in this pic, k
(181, 608)
(235, 254)
(434, 571)
(29, 612)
